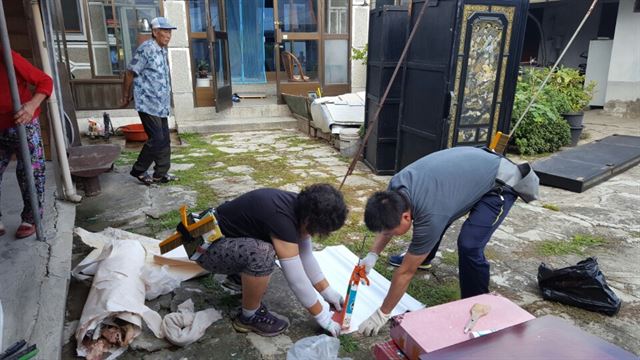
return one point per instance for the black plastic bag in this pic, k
(582, 285)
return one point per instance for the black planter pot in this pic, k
(575, 135)
(574, 119)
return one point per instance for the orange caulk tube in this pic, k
(344, 317)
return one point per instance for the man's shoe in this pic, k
(165, 179)
(143, 178)
(25, 230)
(262, 323)
(396, 260)
(233, 283)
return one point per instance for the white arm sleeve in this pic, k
(311, 266)
(298, 282)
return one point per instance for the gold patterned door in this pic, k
(482, 58)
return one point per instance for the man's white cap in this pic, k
(161, 23)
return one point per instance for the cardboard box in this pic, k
(424, 331)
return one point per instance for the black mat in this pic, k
(585, 166)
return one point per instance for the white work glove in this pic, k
(369, 261)
(333, 298)
(372, 325)
(326, 322)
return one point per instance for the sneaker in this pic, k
(25, 230)
(262, 323)
(396, 260)
(233, 283)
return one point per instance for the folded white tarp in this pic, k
(117, 294)
(329, 113)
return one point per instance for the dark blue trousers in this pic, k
(484, 218)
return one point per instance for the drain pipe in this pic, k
(56, 110)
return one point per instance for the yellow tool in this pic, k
(205, 226)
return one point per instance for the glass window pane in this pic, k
(116, 29)
(198, 15)
(336, 58)
(215, 19)
(298, 15)
(220, 49)
(336, 17)
(200, 56)
(299, 60)
(71, 15)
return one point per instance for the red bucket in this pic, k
(134, 132)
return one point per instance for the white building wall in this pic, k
(359, 38)
(623, 86)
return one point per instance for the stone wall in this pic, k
(180, 63)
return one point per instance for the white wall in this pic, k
(559, 22)
(624, 70)
(359, 38)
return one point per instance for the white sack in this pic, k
(117, 291)
(185, 327)
(180, 268)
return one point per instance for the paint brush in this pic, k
(477, 311)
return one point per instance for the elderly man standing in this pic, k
(148, 72)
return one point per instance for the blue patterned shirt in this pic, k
(151, 86)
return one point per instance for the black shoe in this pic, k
(165, 179)
(396, 260)
(143, 178)
(262, 323)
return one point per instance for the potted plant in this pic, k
(203, 74)
(571, 95)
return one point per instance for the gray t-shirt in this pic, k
(442, 187)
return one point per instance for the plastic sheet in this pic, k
(582, 285)
(321, 347)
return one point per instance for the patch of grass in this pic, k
(348, 344)
(166, 221)
(450, 258)
(430, 292)
(551, 207)
(635, 234)
(578, 244)
(126, 158)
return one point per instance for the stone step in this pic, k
(243, 111)
(267, 89)
(237, 124)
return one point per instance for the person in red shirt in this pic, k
(27, 75)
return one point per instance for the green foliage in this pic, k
(203, 68)
(360, 54)
(542, 129)
(551, 207)
(570, 95)
(578, 244)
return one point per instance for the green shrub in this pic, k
(542, 129)
(570, 94)
(360, 54)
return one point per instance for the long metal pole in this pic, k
(376, 115)
(22, 134)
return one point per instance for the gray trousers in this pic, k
(157, 149)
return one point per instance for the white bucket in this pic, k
(349, 142)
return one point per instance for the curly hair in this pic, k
(321, 209)
(384, 210)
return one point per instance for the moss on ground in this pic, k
(551, 207)
(578, 244)
(348, 344)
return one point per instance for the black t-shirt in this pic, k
(260, 214)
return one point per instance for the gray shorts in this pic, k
(239, 255)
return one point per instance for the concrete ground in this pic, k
(215, 168)
(33, 274)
